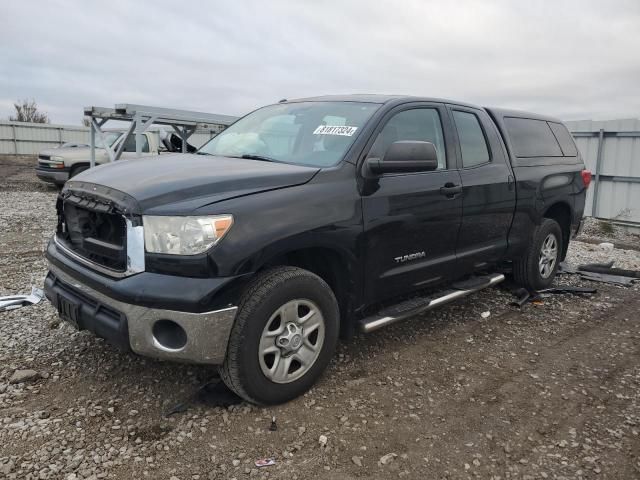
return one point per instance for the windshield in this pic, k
(304, 133)
(109, 139)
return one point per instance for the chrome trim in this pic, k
(135, 253)
(207, 333)
(161, 347)
(135, 248)
(375, 322)
(42, 161)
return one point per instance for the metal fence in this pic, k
(611, 150)
(21, 138)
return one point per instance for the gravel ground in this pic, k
(601, 231)
(549, 391)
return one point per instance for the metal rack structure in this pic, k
(141, 117)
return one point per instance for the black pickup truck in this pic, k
(307, 220)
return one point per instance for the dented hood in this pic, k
(182, 183)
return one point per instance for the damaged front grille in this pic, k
(94, 230)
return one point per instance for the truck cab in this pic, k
(311, 219)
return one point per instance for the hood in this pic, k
(67, 152)
(75, 153)
(181, 183)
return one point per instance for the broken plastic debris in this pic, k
(608, 269)
(16, 301)
(624, 281)
(524, 296)
(265, 462)
(569, 289)
(485, 314)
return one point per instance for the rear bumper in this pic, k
(202, 338)
(58, 176)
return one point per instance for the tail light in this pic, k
(586, 178)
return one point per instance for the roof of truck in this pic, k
(380, 98)
(503, 112)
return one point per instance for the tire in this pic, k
(528, 270)
(78, 169)
(277, 306)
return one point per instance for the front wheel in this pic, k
(77, 170)
(283, 337)
(537, 268)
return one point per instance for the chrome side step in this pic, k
(414, 307)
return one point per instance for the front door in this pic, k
(411, 221)
(129, 151)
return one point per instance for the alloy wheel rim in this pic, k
(291, 341)
(548, 255)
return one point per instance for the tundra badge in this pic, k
(411, 256)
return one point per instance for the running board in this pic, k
(416, 306)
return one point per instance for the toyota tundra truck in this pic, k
(310, 220)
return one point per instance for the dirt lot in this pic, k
(549, 391)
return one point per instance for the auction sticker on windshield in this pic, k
(343, 130)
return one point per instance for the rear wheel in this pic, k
(537, 268)
(283, 337)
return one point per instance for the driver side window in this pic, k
(421, 124)
(130, 144)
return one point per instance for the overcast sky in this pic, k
(575, 59)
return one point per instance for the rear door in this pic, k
(410, 224)
(489, 195)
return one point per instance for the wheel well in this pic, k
(561, 213)
(75, 167)
(329, 265)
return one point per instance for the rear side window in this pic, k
(473, 143)
(564, 139)
(532, 138)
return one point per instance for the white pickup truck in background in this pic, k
(57, 165)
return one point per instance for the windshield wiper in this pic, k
(203, 153)
(250, 156)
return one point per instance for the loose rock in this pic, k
(388, 458)
(21, 376)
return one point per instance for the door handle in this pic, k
(450, 190)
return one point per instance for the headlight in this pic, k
(184, 235)
(56, 158)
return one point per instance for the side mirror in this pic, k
(405, 156)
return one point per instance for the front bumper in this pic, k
(57, 176)
(135, 327)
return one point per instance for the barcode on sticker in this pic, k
(335, 130)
